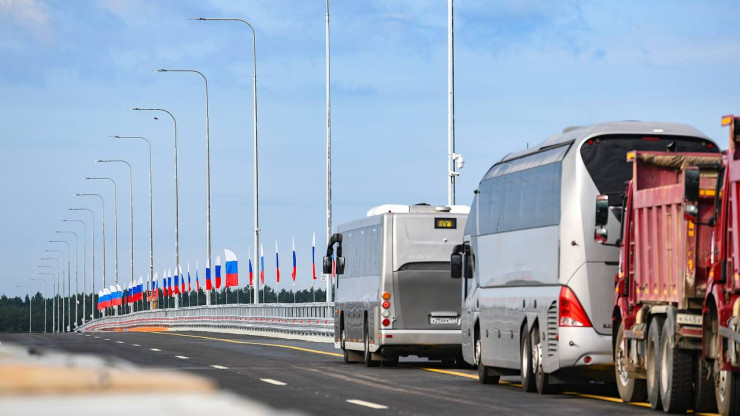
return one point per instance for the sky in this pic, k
(524, 70)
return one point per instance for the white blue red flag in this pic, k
(232, 271)
(218, 272)
(197, 280)
(209, 285)
(251, 276)
(277, 262)
(295, 267)
(313, 256)
(182, 279)
(262, 265)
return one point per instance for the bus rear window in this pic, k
(605, 158)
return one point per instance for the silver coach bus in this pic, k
(394, 296)
(537, 291)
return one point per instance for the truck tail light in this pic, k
(571, 312)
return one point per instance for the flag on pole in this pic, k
(262, 265)
(251, 275)
(218, 272)
(232, 271)
(313, 255)
(116, 295)
(277, 263)
(170, 289)
(182, 280)
(140, 289)
(101, 300)
(209, 286)
(190, 288)
(294, 263)
(197, 281)
(177, 282)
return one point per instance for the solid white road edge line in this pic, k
(367, 404)
(275, 382)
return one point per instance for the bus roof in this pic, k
(581, 133)
(418, 208)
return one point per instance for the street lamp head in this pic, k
(156, 118)
(135, 109)
(99, 160)
(161, 70)
(202, 19)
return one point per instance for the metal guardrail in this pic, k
(294, 320)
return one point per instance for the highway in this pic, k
(313, 379)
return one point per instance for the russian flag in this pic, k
(101, 299)
(277, 263)
(262, 265)
(294, 263)
(116, 295)
(197, 281)
(170, 290)
(140, 289)
(209, 286)
(232, 271)
(182, 279)
(106, 298)
(218, 272)
(177, 283)
(313, 256)
(251, 276)
(190, 288)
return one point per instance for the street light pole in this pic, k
(208, 171)
(29, 306)
(84, 268)
(77, 272)
(151, 217)
(68, 283)
(84, 279)
(130, 205)
(54, 315)
(102, 225)
(115, 220)
(177, 197)
(53, 296)
(45, 281)
(256, 159)
(329, 283)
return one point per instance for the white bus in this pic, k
(394, 296)
(537, 291)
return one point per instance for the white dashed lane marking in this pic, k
(367, 404)
(182, 357)
(155, 349)
(220, 367)
(136, 345)
(271, 381)
(120, 342)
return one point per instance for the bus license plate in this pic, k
(443, 320)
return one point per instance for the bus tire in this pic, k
(630, 389)
(675, 371)
(704, 399)
(525, 359)
(368, 356)
(541, 379)
(484, 372)
(727, 391)
(343, 340)
(652, 361)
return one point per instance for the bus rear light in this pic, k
(386, 313)
(587, 360)
(386, 304)
(386, 322)
(651, 139)
(386, 295)
(571, 312)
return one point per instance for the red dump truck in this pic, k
(663, 278)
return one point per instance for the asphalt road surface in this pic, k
(313, 379)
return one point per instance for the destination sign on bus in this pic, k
(450, 223)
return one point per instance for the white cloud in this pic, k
(31, 14)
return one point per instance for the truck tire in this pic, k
(541, 379)
(484, 372)
(525, 359)
(704, 399)
(675, 371)
(630, 389)
(368, 356)
(652, 361)
(343, 341)
(727, 391)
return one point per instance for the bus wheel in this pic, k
(727, 391)
(368, 355)
(343, 340)
(675, 370)
(484, 372)
(528, 383)
(541, 379)
(630, 389)
(652, 361)
(704, 400)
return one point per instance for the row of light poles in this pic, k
(58, 310)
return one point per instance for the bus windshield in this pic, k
(605, 158)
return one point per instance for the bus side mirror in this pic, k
(340, 265)
(456, 265)
(327, 265)
(691, 193)
(601, 235)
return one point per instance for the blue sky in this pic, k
(524, 70)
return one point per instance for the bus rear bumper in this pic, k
(434, 344)
(583, 350)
